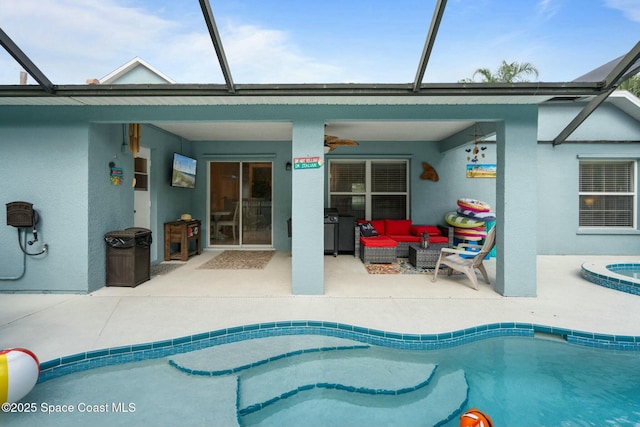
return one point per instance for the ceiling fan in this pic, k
(332, 142)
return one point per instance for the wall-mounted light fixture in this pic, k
(287, 166)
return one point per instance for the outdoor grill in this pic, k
(331, 223)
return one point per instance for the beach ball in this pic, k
(19, 371)
(475, 418)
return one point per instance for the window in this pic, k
(607, 193)
(371, 189)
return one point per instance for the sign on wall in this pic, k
(307, 162)
(481, 170)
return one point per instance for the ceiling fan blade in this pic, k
(330, 139)
(346, 142)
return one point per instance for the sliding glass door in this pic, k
(240, 203)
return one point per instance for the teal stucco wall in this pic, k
(63, 169)
(45, 162)
(558, 186)
(608, 133)
(57, 158)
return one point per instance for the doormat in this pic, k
(164, 268)
(402, 266)
(239, 260)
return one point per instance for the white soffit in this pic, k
(281, 131)
(627, 102)
(229, 131)
(397, 130)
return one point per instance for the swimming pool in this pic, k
(323, 373)
(630, 270)
(623, 277)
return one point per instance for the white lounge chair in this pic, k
(467, 261)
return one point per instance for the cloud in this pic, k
(547, 8)
(72, 40)
(629, 8)
(263, 55)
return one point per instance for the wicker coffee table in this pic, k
(424, 257)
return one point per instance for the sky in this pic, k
(316, 41)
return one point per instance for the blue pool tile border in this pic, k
(261, 362)
(159, 349)
(618, 283)
(337, 386)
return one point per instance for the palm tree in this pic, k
(506, 73)
(632, 85)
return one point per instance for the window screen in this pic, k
(388, 177)
(607, 194)
(388, 206)
(347, 177)
(369, 189)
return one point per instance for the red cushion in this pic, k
(431, 230)
(378, 224)
(397, 226)
(378, 242)
(438, 239)
(404, 238)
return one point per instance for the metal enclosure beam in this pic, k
(25, 62)
(611, 81)
(217, 43)
(581, 117)
(476, 93)
(428, 44)
(615, 77)
(467, 136)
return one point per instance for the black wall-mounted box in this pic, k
(20, 214)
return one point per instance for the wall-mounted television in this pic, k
(184, 171)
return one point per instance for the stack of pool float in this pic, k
(469, 220)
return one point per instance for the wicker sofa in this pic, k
(404, 232)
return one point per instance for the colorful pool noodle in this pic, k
(19, 371)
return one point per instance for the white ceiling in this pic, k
(281, 131)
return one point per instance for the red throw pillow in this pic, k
(438, 239)
(431, 230)
(397, 226)
(378, 224)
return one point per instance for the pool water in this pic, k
(635, 274)
(629, 269)
(326, 381)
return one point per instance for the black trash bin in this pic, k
(128, 256)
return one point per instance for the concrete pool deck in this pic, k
(189, 300)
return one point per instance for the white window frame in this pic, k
(368, 193)
(633, 193)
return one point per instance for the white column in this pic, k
(307, 210)
(516, 199)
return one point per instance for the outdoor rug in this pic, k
(402, 266)
(239, 260)
(164, 268)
